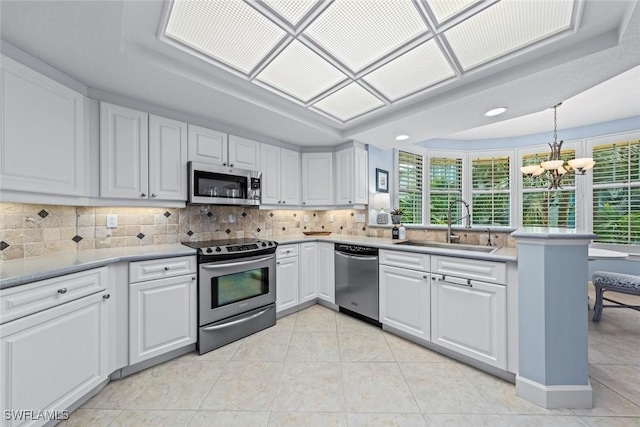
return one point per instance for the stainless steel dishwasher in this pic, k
(356, 270)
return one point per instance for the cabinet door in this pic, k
(244, 153)
(42, 134)
(344, 176)
(405, 300)
(162, 316)
(361, 177)
(469, 317)
(207, 146)
(270, 168)
(308, 271)
(326, 272)
(124, 152)
(317, 179)
(289, 177)
(53, 358)
(287, 282)
(167, 159)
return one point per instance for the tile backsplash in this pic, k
(35, 230)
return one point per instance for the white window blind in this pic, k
(411, 186)
(616, 192)
(491, 191)
(445, 186)
(542, 207)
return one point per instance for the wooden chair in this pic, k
(615, 282)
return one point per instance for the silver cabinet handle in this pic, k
(349, 201)
(153, 194)
(278, 262)
(193, 277)
(279, 201)
(106, 296)
(167, 269)
(284, 201)
(224, 163)
(425, 277)
(231, 165)
(304, 203)
(466, 285)
(143, 195)
(62, 290)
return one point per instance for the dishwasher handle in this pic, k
(357, 257)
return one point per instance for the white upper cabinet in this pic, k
(42, 132)
(280, 175)
(124, 152)
(351, 176)
(244, 153)
(217, 148)
(167, 159)
(207, 145)
(317, 179)
(141, 156)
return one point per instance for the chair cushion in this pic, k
(616, 280)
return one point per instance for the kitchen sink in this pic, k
(443, 245)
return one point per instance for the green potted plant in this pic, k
(396, 215)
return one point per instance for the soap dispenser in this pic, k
(402, 232)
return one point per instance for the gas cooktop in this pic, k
(231, 246)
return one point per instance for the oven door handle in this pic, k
(233, 264)
(235, 322)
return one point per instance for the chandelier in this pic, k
(554, 169)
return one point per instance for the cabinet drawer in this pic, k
(160, 268)
(287, 251)
(410, 260)
(474, 269)
(24, 300)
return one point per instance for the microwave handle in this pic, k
(233, 264)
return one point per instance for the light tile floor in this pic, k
(322, 368)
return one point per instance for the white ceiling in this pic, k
(115, 47)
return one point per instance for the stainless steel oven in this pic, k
(236, 290)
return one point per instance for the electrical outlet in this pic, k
(330, 218)
(232, 218)
(112, 221)
(360, 217)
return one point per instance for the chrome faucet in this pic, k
(452, 238)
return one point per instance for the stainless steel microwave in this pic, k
(223, 185)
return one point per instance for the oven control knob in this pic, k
(209, 250)
(264, 244)
(218, 249)
(270, 244)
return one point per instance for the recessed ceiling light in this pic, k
(402, 137)
(495, 112)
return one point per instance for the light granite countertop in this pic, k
(27, 270)
(500, 253)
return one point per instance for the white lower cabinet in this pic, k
(308, 271)
(326, 272)
(162, 312)
(54, 357)
(287, 277)
(405, 300)
(469, 317)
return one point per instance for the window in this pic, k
(542, 207)
(616, 192)
(410, 186)
(491, 191)
(445, 186)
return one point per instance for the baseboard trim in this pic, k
(555, 396)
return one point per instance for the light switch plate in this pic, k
(112, 221)
(330, 218)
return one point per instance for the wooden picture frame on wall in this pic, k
(382, 181)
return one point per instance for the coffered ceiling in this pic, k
(312, 72)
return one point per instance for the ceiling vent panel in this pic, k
(349, 102)
(229, 31)
(445, 9)
(293, 11)
(417, 69)
(505, 27)
(301, 72)
(358, 33)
